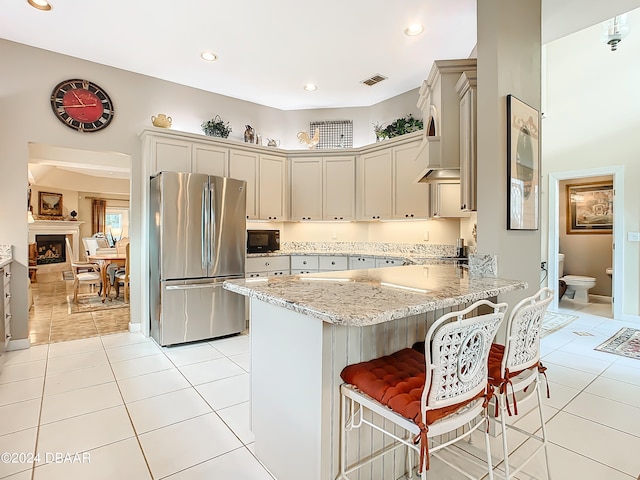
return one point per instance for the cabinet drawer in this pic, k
(302, 271)
(334, 263)
(277, 273)
(266, 264)
(388, 262)
(304, 262)
(356, 263)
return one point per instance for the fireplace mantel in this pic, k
(58, 227)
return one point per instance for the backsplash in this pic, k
(5, 251)
(371, 248)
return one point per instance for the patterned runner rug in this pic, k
(554, 321)
(626, 343)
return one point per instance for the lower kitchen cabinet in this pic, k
(360, 262)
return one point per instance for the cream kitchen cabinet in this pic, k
(466, 88)
(301, 264)
(272, 188)
(328, 263)
(322, 188)
(6, 279)
(445, 200)
(265, 176)
(210, 159)
(170, 154)
(306, 188)
(274, 266)
(410, 199)
(376, 184)
(359, 262)
(339, 188)
(175, 155)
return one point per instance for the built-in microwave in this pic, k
(263, 241)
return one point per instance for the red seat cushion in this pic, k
(397, 381)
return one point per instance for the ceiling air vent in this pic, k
(371, 81)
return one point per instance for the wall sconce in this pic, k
(614, 31)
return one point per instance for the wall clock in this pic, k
(82, 105)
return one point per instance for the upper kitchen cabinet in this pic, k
(411, 199)
(439, 101)
(210, 160)
(182, 155)
(467, 87)
(387, 181)
(376, 184)
(243, 165)
(306, 188)
(445, 200)
(322, 188)
(170, 154)
(272, 187)
(339, 188)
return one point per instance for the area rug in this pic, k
(92, 302)
(554, 321)
(626, 343)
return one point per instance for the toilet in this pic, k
(577, 284)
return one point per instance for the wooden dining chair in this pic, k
(122, 277)
(83, 272)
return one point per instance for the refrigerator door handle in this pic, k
(211, 244)
(204, 232)
(191, 287)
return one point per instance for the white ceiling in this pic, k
(269, 49)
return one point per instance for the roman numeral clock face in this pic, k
(82, 105)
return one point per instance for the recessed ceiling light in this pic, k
(208, 56)
(310, 87)
(413, 30)
(40, 4)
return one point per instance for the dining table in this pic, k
(104, 259)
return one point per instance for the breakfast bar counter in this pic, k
(304, 329)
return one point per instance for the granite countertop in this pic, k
(5, 255)
(369, 297)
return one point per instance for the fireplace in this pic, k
(51, 249)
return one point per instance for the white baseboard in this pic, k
(627, 317)
(135, 327)
(21, 344)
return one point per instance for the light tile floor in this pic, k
(133, 410)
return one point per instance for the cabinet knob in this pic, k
(304, 262)
(7, 274)
(266, 264)
(333, 263)
(7, 316)
(463, 206)
(7, 295)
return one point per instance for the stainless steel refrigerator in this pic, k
(197, 241)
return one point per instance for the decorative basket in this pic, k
(216, 127)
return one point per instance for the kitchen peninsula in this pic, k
(306, 328)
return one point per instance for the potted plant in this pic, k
(406, 124)
(216, 127)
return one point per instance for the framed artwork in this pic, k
(50, 204)
(590, 208)
(523, 165)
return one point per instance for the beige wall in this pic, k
(585, 254)
(509, 62)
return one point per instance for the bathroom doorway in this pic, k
(557, 209)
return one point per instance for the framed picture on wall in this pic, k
(50, 204)
(523, 165)
(590, 208)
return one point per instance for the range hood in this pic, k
(439, 100)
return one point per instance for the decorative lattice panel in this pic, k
(333, 133)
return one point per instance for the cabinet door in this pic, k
(170, 155)
(377, 190)
(244, 166)
(306, 189)
(210, 160)
(358, 263)
(272, 187)
(339, 183)
(468, 151)
(411, 199)
(445, 199)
